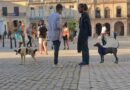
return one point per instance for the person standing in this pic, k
(84, 33)
(42, 37)
(55, 30)
(103, 34)
(29, 35)
(23, 34)
(115, 34)
(66, 36)
(34, 36)
(18, 35)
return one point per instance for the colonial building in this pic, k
(115, 14)
(40, 9)
(12, 11)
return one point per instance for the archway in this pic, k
(119, 28)
(108, 28)
(98, 28)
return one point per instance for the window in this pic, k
(97, 13)
(16, 11)
(71, 6)
(107, 13)
(118, 11)
(32, 12)
(40, 11)
(4, 11)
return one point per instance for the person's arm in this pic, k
(59, 23)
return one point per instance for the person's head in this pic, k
(41, 22)
(34, 27)
(20, 23)
(65, 25)
(59, 8)
(81, 8)
(85, 7)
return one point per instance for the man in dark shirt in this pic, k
(43, 37)
(43, 31)
(84, 33)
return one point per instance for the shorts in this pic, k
(65, 37)
(42, 40)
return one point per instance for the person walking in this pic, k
(23, 34)
(66, 36)
(103, 34)
(42, 37)
(34, 36)
(18, 35)
(55, 30)
(29, 35)
(84, 33)
(115, 34)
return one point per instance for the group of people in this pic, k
(39, 33)
(55, 30)
(18, 33)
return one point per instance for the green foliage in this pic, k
(72, 26)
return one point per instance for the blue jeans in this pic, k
(56, 51)
(85, 53)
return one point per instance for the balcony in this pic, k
(37, 18)
(13, 15)
(50, 1)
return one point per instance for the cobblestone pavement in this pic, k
(106, 76)
(39, 77)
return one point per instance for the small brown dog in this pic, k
(23, 51)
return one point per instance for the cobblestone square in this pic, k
(96, 76)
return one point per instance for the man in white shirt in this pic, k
(54, 30)
(103, 34)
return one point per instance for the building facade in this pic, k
(12, 11)
(115, 14)
(41, 9)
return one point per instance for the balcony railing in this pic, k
(51, 1)
(12, 14)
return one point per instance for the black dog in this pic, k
(103, 51)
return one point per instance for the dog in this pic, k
(103, 51)
(23, 51)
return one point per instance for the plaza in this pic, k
(115, 14)
(96, 76)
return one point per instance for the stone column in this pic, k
(93, 29)
(125, 29)
(112, 28)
